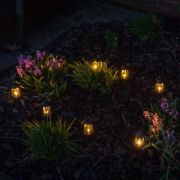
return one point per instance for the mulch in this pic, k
(109, 153)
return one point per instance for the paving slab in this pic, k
(87, 12)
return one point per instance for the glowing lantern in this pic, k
(16, 92)
(88, 128)
(46, 110)
(124, 74)
(98, 66)
(159, 87)
(95, 66)
(139, 141)
(102, 65)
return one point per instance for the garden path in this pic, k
(41, 35)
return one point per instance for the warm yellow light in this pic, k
(46, 110)
(15, 92)
(95, 66)
(139, 142)
(159, 87)
(124, 74)
(88, 129)
(98, 66)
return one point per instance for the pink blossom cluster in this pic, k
(35, 65)
(28, 64)
(155, 120)
(55, 63)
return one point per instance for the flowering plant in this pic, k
(43, 74)
(100, 82)
(164, 134)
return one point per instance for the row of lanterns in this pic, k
(88, 128)
(98, 66)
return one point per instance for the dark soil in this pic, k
(109, 153)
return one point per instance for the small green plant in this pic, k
(94, 81)
(49, 141)
(111, 39)
(164, 132)
(43, 74)
(146, 27)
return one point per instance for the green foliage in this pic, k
(165, 139)
(111, 39)
(100, 82)
(48, 141)
(45, 76)
(145, 27)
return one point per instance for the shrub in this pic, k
(48, 141)
(145, 27)
(164, 134)
(111, 39)
(94, 81)
(43, 74)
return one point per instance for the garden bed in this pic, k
(109, 153)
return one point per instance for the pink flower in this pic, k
(40, 55)
(146, 114)
(155, 120)
(60, 62)
(29, 63)
(37, 71)
(19, 70)
(20, 60)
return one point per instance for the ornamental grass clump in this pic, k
(100, 81)
(42, 74)
(164, 132)
(49, 141)
(146, 27)
(111, 39)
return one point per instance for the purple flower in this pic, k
(19, 70)
(164, 105)
(174, 114)
(60, 62)
(55, 63)
(37, 71)
(51, 64)
(170, 136)
(40, 55)
(20, 60)
(29, 63)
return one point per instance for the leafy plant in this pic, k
(43, 74)
(164, 132)
(94, 81)
(111, 39)
(146, 27)
(48, 141)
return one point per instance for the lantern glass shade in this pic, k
(102, 65)
(124, 74)
(159, 87)
(46, 110)
(139, 141)
(94, 66)
(88, 129)
(98, 66)
(15, 92)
